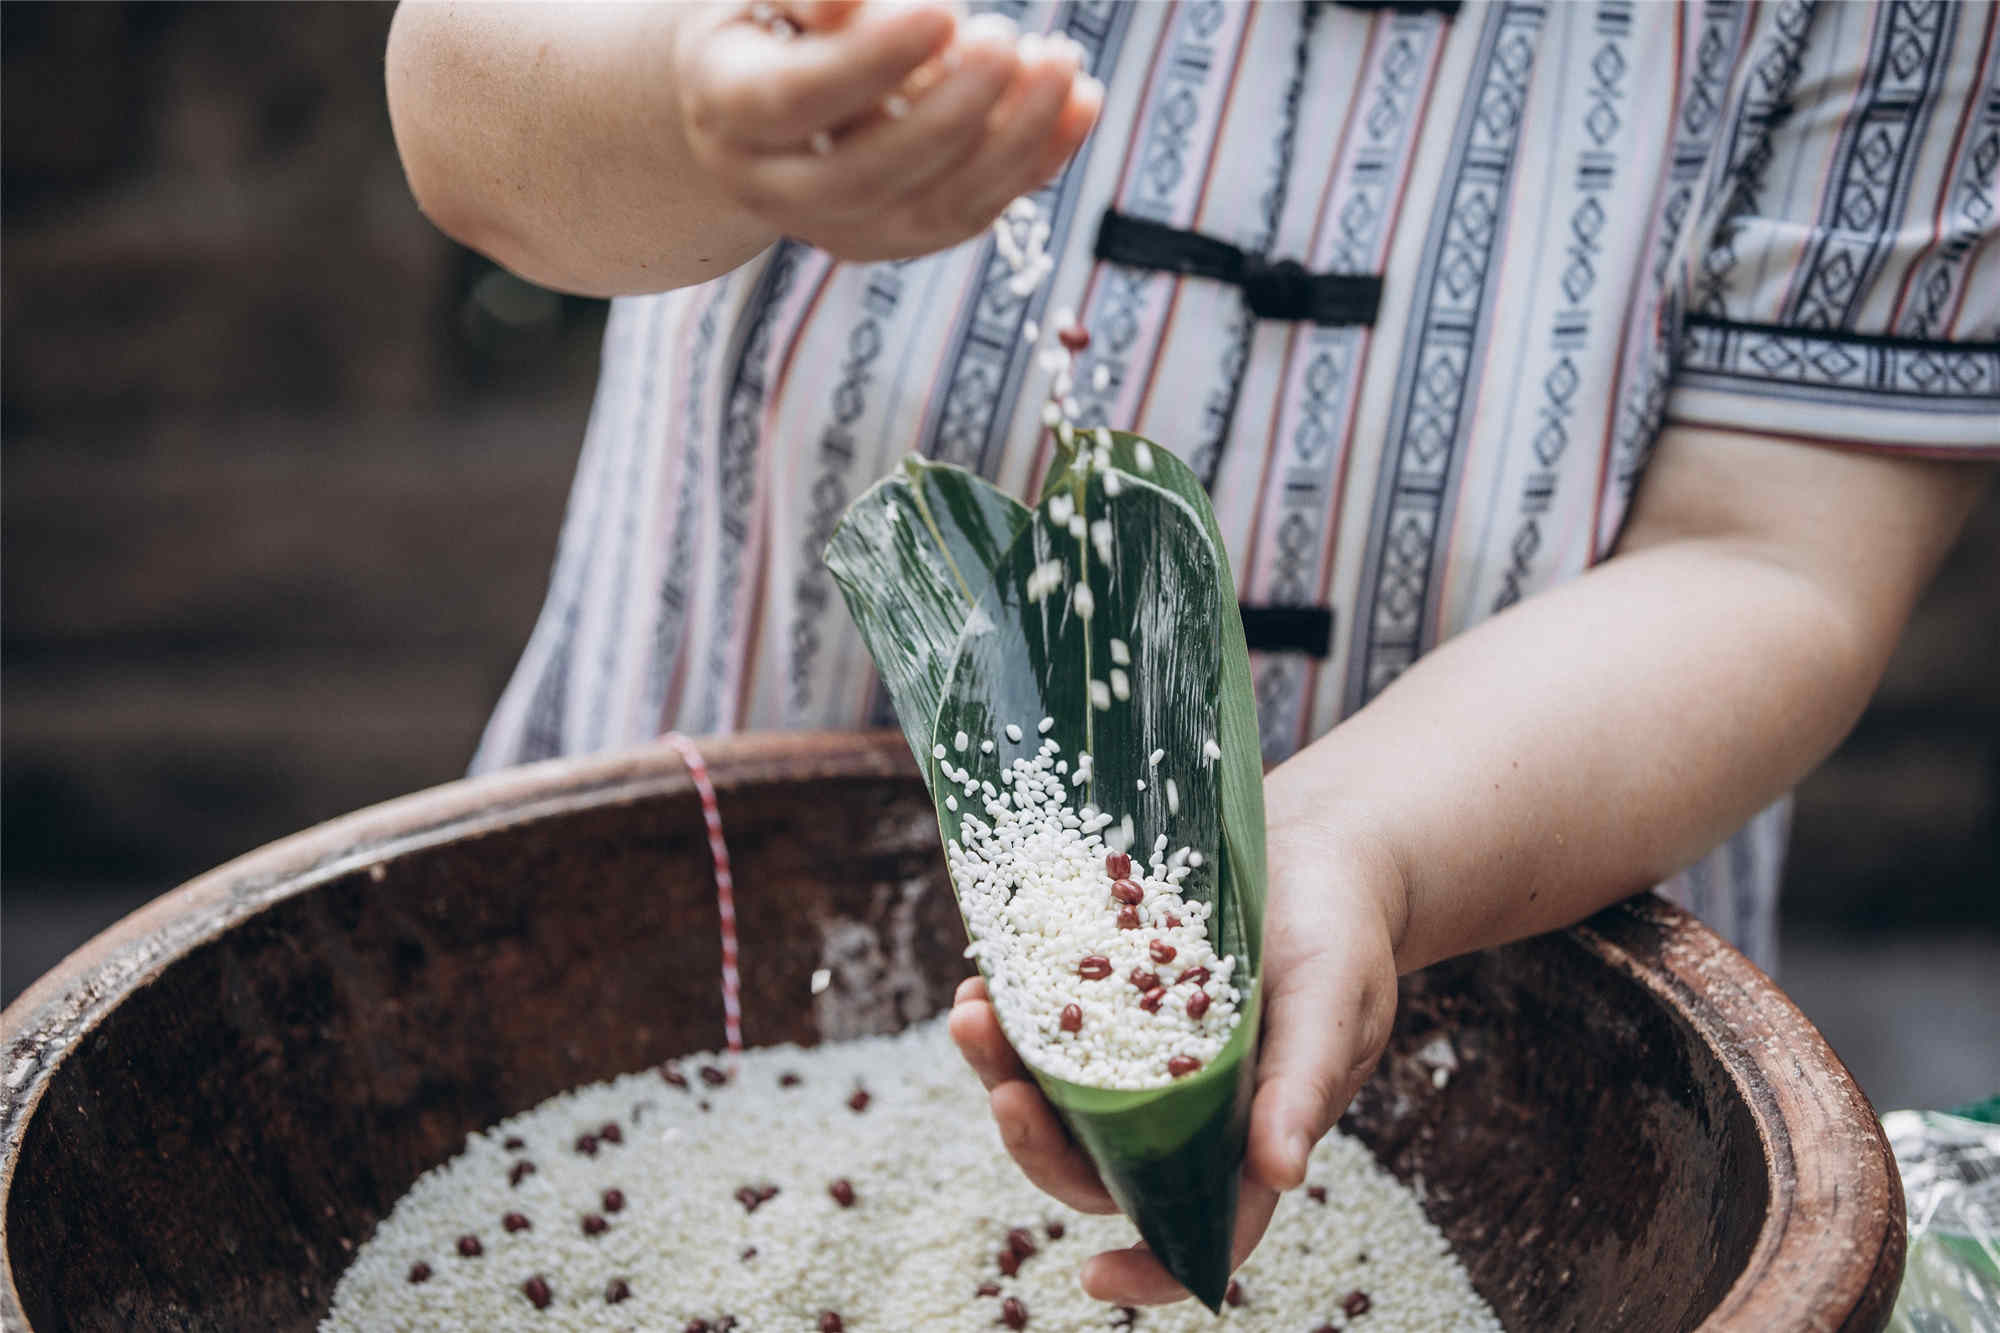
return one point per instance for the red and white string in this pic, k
(725, 888)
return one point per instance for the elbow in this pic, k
(413, 76)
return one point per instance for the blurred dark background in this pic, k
(284, 468)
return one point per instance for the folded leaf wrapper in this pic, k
(937, 567)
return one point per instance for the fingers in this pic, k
(1327, 1017)
(891, 156)
(1029, 1127)
(1026, 140)
(980, 1040)
(1134, 1276)
(760, 89)
(1043, 1149)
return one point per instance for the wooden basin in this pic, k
(211, 1104)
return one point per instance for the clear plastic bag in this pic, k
(1950, 1163)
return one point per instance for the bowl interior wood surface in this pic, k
(210, 1106)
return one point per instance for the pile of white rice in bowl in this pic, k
(854, 1186)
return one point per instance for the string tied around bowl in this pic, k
(725, 890)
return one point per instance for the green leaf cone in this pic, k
(1172, 1155)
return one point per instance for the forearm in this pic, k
(1582, 746)
(1593, 740)
(545, 137)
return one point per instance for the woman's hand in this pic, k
(876, 132)
(1333, 913)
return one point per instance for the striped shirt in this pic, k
(1587, 219)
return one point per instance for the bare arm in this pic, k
(1575, 749)
(543, 137)
(1594, 740)
(619, 148)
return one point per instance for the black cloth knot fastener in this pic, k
(1273, 289)
(1288, 629)
(1281, 290)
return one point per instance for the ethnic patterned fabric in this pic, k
(1588, 219)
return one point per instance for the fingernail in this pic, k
(1092, 88)
(1296, 1152)
(1030, 47)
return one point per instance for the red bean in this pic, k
(1182, 1065)
(1161, 951)
(1072, 1018)
(1153, 999)
(842, 1191)
(1233, 1294)
(1317, 1193)
(594, 1225)
(1073, 336)
(616, 1290)
(749, 1253)
(858, 1100)
(1010, 1263)
(537, 1290)
(1173, 922)
(713, 1076)
(988, 1289)
(1326, 1328)
(1056, 1230)
(674, 1077)
(789, 1080)
(420, 1272)
(610, 1133)
(695, 1326)
(516, 1222)
(514, 1143)
(1198, 1004)
(1125, 891)
(469, 1246)
(1118, 865)
(614, 1201)
(1197, 975)
(1095, 967)
(1021, 1242)
(520, 1170)
(587, 1144)
(1128, 918)
(1356, 1304)
(1013, 1314)
(829, 1322)
(1145, 980)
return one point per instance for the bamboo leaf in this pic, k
(912, 556)
(1242, 765)
(1149, 552)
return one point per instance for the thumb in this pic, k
(1327, 1018)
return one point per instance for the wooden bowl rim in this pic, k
(1795, 1268)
